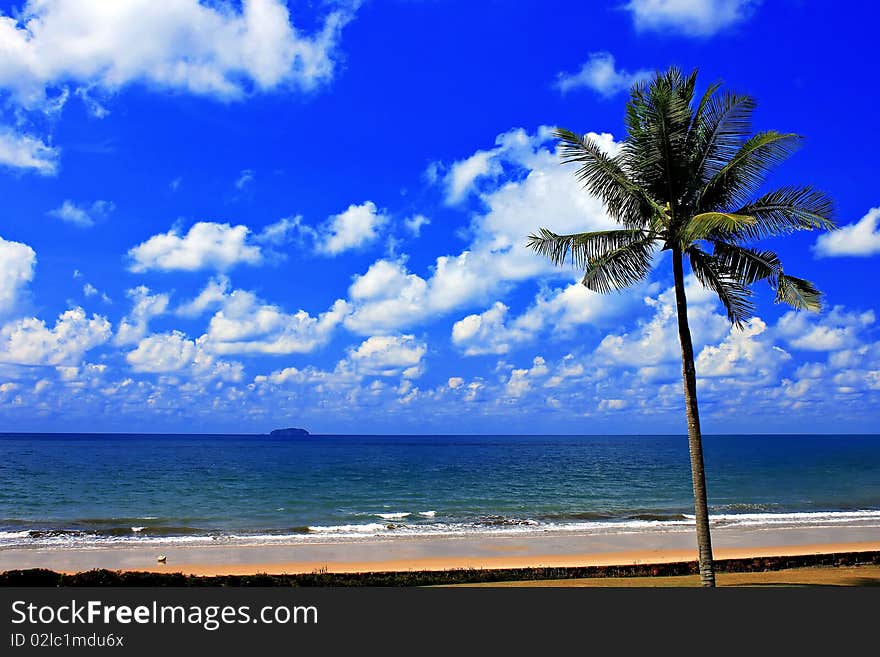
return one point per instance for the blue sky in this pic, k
(238, 216)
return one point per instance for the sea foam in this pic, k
(492, 525)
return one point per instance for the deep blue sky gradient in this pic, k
(417, 83)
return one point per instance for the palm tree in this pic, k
(683, 181)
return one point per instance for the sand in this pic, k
(500, 562)
(443, 553)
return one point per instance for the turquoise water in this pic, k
(68, 489)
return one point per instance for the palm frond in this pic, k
(746, 265)
(684, 167)
(734, 295)
(603, 177)
(580, 248)
(719, 130)
(798, 293)
(670, 130)
(699, 130)
(702, 226)
(705, 100)
(786, 210)
(741, 176)
(619, 268)
(658, 120)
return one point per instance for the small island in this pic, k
(289, 431)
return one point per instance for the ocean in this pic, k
(81, 490)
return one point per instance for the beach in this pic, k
(381, 554)
(238, 505)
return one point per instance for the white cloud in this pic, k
(799, 389)
(384, 279)
(835, 330)
(21, 151)
(145, 306)
(28, 341)
(162, 352)
(859, 239)
(690, 17)
(464, 173)
(656, 341)
(521, 380)
(94, 108)
(474, 391)
(455, 382)
(388, 355)
(213, 295)
(575, 305)
(558, 309)
(205, 49)
(460, 178)
(280, 377)
(280, 232)
(745, 356)
(414, 224)
(206, 245)
(860, 356)
(71, 213)
(245, 178)
(322, 382)
(852, 372)
(810, 371)
(613, 404)
(351, 384)
(76, 375)
(174, 352)
(247, 325)
(389, 297)
(487, 333)
(567, 369)
(599, 74)
(17, 262)
(352, 229)
(220, 49)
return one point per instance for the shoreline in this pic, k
(550, 550)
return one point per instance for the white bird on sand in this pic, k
(161, 558)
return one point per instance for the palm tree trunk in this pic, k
(695, 441)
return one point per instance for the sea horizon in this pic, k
(5, 434)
